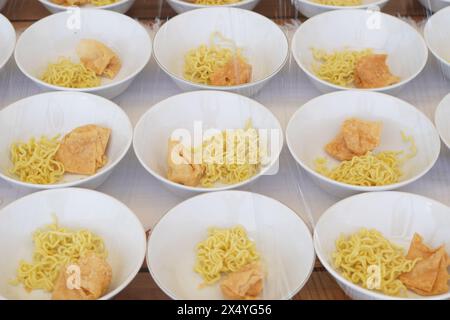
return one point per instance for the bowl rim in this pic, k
(107, 168)
(312, 76)
(159, 105)
(346, 186)
(334, 7)
(445, 103)
(336, 275)
(5, 22)
(61, 7)
(249, 193)
(118, 203)
(194, 5)
(428, 29)
(199, 86)
(101, 87)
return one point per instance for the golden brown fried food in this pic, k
(98, 57)
(235, 72)
(82, 151)
(429, 276)
(70, 2)
(356, 138)
(245, 284)
(361, 136)
(181, 169)
(338, 149)
(372, 72)
(95, 278)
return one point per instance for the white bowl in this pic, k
(263, 43)
(396, 215)
(435, 5)
(437, 33)
(361, 29)
(58, 113)
(120, 6)
(58, 35)
(442, 118)
(181, 6)
(116, 224)
(215, 110)
(318, 121)
(2, 4)
(309, 8)
(281, 237)
(8, 40)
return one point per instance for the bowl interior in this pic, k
(56, 113)
(360, 29)
(8, 40)
(76, 209)
(59, 34)
(437, 33)
(262, 42)
(202, 110)
(364, 3)
(52, 4)
(318, 122)
(396, 215)
(281, 237)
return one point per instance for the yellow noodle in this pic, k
(225, 250)
(231, 163)
(202, 62)
(34, 161)
(55, 247)
(215, 2)
(355, 253)
(338, 67)
(79, 2)
(339, 2)
(102, 2)
(65, 73)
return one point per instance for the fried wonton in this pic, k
(429, 276)
(372, 72)
(82, 151)
(245, 284)
(95, 278)
(98, 57)
(181, 168)
(356, 138)
(234, 72)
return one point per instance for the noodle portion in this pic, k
(356, 253)
(221, 63)
(56, 247)
(225, 250)
(338, 67)
(65, 73)
(34, 161)
(339, 2)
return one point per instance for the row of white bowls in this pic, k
(307, 7)
(283, 239)
(310, 128)
(263, 42)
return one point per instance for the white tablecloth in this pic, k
(131, 184)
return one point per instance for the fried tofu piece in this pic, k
(372, 71)
(430, 275)
(181, 168)
(361, 136)
(95, 278)
(98, 57)
(245, 284)
(82, 151)
(356, 138)
(338, 149)
(234, 72)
